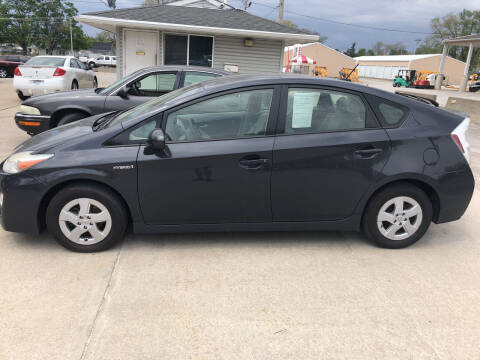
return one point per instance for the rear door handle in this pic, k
(253, 164)
(368, 153)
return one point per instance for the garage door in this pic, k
(140, 50)
(379, 72)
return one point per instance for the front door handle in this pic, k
(368, 153)
(253, 164)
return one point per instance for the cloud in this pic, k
(411, 15)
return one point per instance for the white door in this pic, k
(140, 50)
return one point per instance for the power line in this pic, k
(343, 23)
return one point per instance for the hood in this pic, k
(59, 95)
(62, 135)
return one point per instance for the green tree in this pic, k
(361, 52)
(351, 50)
(52, 32)
(18, 25)
(450, 26)
(396, 49)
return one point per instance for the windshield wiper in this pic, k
(97, 125)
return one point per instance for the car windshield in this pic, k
(155, 103)
(46, 61)
(126, 79)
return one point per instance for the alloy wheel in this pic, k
(399, 218)
(85, 221)
(3, 73)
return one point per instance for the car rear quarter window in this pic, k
(390, 114)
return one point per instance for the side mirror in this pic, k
(123, 92)
(157, 139)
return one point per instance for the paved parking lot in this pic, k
(241, 296)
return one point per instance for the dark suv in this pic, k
(245, 154)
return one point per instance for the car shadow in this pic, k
(239, 239)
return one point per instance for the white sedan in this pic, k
(48, 74)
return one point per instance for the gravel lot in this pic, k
(240, 296)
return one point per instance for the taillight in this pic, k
(59, 72)
(17, 72)
(457, 141)
(460, 139)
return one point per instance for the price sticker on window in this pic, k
(303, 104)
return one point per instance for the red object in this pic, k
(457, 142)
(59, 72)
(421, 83)
(17, 72)
(302, 59)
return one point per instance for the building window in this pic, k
(188, 50)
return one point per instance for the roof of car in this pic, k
(184, 68)
(238, 81)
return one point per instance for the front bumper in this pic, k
(22, 196)
(32, 124)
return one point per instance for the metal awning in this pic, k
(464, 41)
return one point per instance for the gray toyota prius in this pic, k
(245, 153)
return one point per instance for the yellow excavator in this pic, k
(348, 74)
(320, 71)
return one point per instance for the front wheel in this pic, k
(397, 216)
(86, 218)
(91, 64)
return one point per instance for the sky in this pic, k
(407, 15)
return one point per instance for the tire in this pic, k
(71, 117)
(3, 73)
(74, 85)
(21, 96)
(92, 216)
(91, 65)
(393, 232)
(95, 82)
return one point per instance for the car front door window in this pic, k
(236, 115)
(153, 85)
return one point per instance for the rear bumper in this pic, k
(19, 210)
(32, 87)
(455, 190)
(32, 124)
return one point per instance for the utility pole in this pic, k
(71, 36)
(281, 3)
(245, 5)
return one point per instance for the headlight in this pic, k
(29, 110)
(22, 161)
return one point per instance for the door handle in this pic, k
(368, 153)
(253, 164)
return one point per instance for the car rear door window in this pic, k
(193, 77)
(322, 110)
(230, 116)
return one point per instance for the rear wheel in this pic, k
(21, 96)
(86, 218)
(71, 117)
(74, 85)
(398, 216)
(91, 64)
(3, 73)
(95, 82)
